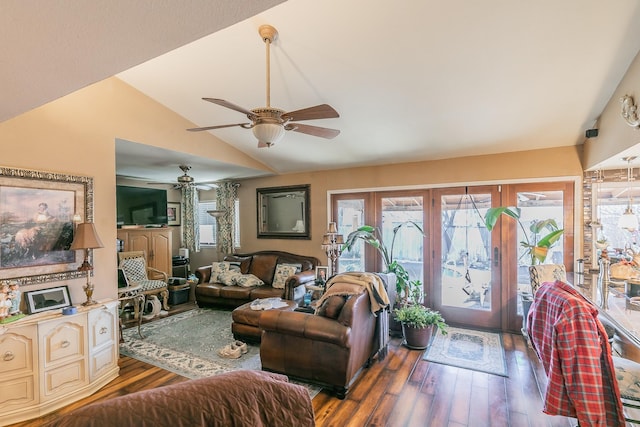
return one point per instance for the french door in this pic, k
(473, 277)
(466, 263)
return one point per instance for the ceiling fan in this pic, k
(186, 180)
(268, 123)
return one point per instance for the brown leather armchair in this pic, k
(329, 348)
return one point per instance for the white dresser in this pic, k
(48, 360)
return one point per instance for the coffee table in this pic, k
(245, 321)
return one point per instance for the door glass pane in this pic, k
(350, 218)
(536, 206)
(408, 247)
(466, 252)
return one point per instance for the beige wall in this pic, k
(76, 135)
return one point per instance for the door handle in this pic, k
(496, 256)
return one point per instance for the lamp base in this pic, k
(88, 290)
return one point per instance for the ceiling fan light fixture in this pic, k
(268, 133)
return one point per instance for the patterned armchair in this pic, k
(546, 273)
(151, 280)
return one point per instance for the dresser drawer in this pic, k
(18, 392)
(62, 379)
(101, 362)
(17, 351)
(102, 327)
(62, 340)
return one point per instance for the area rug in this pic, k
(469, 349)
(187, 344)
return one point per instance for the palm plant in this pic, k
(538, 249)
(370, 235)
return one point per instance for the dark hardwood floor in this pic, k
(402, 390)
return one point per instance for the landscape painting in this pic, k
(37, 224)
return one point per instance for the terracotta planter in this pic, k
(417, 338)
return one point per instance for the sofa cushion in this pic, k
(332, 306)
(218, 268)
(281, 275)
(265, 292)
(248, 281)
(263, 266)
(245, 262)
(236, 292)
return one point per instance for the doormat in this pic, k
(469, 349)
(187, 344)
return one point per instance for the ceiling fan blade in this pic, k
(218, 127)
(232, 106)
(322, 111)
(313, 130)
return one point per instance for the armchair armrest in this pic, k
(308, 326)
(298, 279)
(154, 273)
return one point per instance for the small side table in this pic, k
(131, 295)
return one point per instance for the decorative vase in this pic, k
(417, 338)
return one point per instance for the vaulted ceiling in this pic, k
(413, 80)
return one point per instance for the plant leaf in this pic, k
(492, 215)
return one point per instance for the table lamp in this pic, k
(86, 238)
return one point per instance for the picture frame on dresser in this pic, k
(47, 299)
(40, 210)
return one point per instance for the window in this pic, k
(208, 224)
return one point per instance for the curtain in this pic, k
(227, 193)
(190, 220)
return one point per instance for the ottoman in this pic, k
(245, 321)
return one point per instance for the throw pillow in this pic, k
(234, 266)
(283, 271)
(229, 278)
(218, 268)
(332, 306)
(248, 281)
(297, 266)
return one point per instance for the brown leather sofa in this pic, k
(262, 265)
(329, 348)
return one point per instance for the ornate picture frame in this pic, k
(37, 211)
(283, 212)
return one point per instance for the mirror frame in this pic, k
(265, 195)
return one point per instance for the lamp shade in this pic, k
(628, 220)
(269, 133)
(86, 237)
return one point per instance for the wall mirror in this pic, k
(283, 212)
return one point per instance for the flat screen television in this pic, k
(140, 206)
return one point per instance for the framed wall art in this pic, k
(47, 299)
(283, 212)
(36, 224)
(173, 213)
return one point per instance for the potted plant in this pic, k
(418, 324)
(369, 235)
(537, 249)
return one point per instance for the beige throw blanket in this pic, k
(370, 281)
